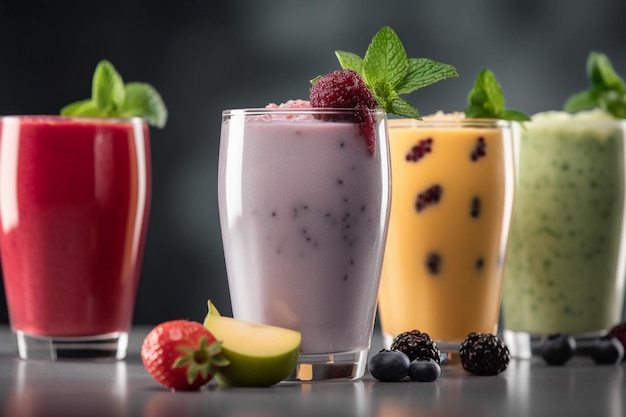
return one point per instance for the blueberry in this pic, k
(558, 349)
(389, 365)
(424, 370)
(607, 350)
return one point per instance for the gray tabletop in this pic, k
(527, 388)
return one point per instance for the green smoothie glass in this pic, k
(565, 263)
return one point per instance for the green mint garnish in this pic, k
(111, 97)
(607, 91)
(388, 72)
(486, 100)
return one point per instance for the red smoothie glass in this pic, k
(74, 201)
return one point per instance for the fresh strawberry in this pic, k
(182, 354)
(345, 89)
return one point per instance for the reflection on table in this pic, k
(527, 388)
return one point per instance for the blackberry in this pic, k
(416, 345)
(484, 354)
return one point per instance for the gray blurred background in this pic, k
(205, 56)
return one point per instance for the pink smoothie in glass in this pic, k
(303, 210)
(74, 202)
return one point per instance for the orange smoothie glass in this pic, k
(451, 204)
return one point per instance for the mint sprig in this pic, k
(486, 100)
(389, 73)
(111, 97)
(607, 90)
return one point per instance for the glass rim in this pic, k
(446, 121)
(621, 123)
(58, 118)
(264, 111)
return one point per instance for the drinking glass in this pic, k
(74, 202)
(566, 261)
(453, 187)
(303, 204)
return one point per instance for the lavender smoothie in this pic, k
(303, 209)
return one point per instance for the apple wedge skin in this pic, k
(254, 361)
(249, 371)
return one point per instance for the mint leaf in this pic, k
(581, 100)
(348, 60)
(142, 100)
(602, 74)
(107, 88)
(402, 107)
(388, 72)
(514, 115)
(110, 97)
(423, 72)
(615, 104)
(385, 59)
(487, 94)
(486, 100)
(607, 90)
(385, 95)
(314, 80)
(81, 108)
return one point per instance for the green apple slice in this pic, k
(260, 355)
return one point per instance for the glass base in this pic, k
(112, 346)
(524, 345)
(331, 366)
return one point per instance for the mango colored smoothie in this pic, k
(452, 195)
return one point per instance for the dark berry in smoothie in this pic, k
(430, 196)
(420, 150)
(433, 263)
(475, 207)
(479, 150)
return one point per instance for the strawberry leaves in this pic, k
(204, 361)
